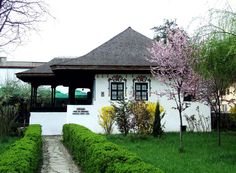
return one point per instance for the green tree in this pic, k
(217, 63)
(161, 31)
(157, 127)
(217, 66)
(12, 94)
(44, 95)
(12, 91)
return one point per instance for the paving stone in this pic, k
(56, 158)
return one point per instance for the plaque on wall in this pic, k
(80, 111)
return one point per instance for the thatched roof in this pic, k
(127, 49)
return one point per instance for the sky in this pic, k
(79, 26)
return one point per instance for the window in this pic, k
(188, 97)
(83, 96)
(141, 91)
(117, 90)
(61, 96)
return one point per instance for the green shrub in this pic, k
(133, 168)
(24, 155)
(157, 127)
(123, 116)
(144, 118)
(8, 116)
(96, 155)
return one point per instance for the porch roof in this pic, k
(42, 70)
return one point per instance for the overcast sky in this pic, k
(82, 25)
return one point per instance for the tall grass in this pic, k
(201, 152)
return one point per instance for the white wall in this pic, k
(171, 119)
(87, 115)
(89, 119)
(51, 122)
(9, 74)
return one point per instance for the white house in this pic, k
(116, 68)
(8, 69)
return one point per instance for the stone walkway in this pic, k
(56, 158)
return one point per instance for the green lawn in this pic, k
(6, 142)
(202, 155)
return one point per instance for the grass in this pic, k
(5, 142)
(201, 155)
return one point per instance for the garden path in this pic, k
(56, 158)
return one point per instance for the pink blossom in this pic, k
(172, 65)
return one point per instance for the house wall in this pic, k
(171, 119)
(9, 74)
(230, 97)
(87, 115)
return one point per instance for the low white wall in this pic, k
(51, 122)
(85, 115)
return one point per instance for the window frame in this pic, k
(117, 90)
(141, 91)
(188, 97)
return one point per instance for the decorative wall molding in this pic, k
(142, 79)
(117, 78)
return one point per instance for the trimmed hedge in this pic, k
(96, 155)
(25, 154)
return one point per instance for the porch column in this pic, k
(33, 100)
(53, 95)
(71, 94)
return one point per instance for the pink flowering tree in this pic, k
(172, 65)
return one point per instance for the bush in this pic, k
(233, 109)
(95, 154)
(25, 154)
(8, 115)
(233, 114)
(123, 116)
(107, 118)
(151, 108)
(142, 120)
(144, 114)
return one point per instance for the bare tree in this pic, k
(18, 17)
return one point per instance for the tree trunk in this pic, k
(181, 147)
(219, 122)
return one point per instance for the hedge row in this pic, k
(95, 154)
(25, 154)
